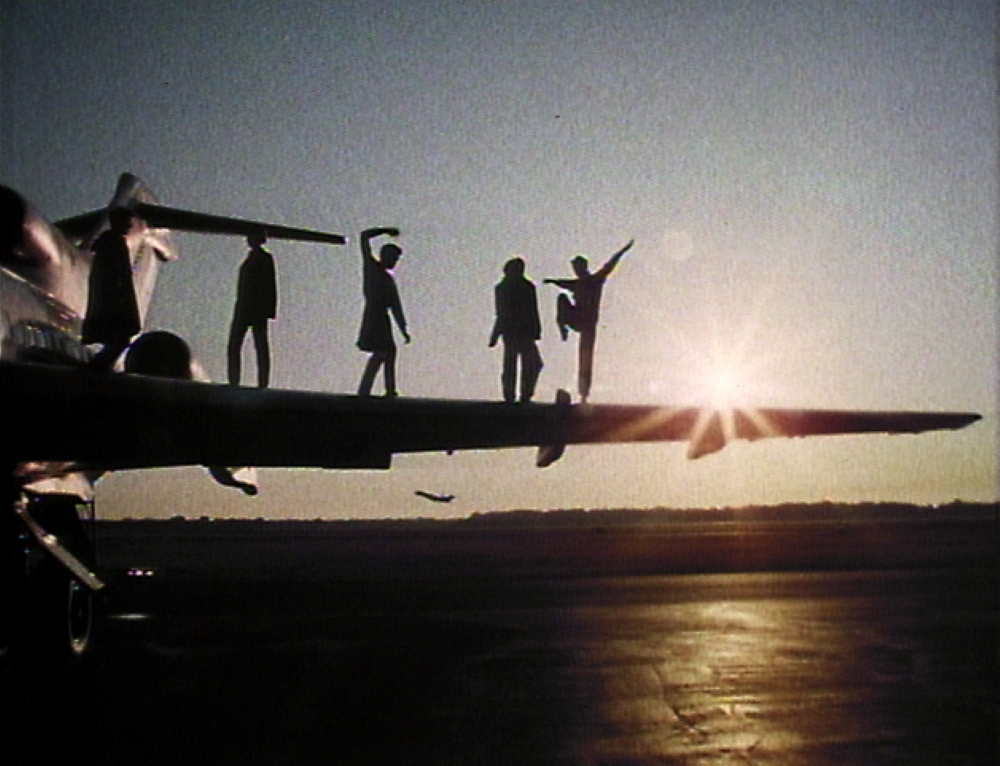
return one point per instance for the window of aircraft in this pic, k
(42, 342)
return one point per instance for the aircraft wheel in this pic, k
(79, 617)
(48, 613)
(60, 609)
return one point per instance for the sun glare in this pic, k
(722, 382)
(723, 385)
(723, 334)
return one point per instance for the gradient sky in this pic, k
(812, 187)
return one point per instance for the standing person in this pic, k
(256, 305)
(582, 312)
(518, 323)
(381, 300)
(112, 316)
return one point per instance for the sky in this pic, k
(811, 186)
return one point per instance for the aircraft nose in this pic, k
(13, 210)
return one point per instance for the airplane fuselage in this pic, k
(44, 287)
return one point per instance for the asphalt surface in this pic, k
(271, 665)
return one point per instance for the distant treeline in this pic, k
(564, 543)
(591, 518)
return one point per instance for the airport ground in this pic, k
(819, 642)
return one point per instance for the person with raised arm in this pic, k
(581, 312)
(381, 302)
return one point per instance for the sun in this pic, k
(722, 382)
(724, 387)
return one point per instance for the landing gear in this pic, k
(59, 614)
(48, 611)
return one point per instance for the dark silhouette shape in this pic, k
(582, 312)
(227, 478)
(160, 354)
(434, 496)
(381, 300)
(256, 305)
(165, 355)
(518, 323)
(112, 308)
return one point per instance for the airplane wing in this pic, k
(130, 192)
(176, 219)
(110, 422)
(160, 217)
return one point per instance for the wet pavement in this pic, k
(858, 667)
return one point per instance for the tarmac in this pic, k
(255, 661)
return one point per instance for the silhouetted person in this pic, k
(112, 316)
(582, 312)
(381, 300)
(518, 323)
(256, 305)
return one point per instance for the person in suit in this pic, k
(112, 316)
(518, 324)
(256, 305)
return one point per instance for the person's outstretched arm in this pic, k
(565, 284)
(608, 267)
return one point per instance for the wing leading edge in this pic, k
(112, 422)
(176, 219)
(132, 193)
